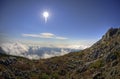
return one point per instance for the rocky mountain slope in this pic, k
(100, 61)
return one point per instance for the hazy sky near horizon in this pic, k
(69, 19)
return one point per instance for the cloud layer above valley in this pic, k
(36, 49)
(33, 52)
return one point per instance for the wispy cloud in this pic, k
(47, 35)
(41, 35)
(44, 35)
(62, 38)
(30, 35)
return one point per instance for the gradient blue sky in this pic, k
(72, 19)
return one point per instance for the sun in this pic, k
(45, 14)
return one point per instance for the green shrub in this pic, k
(97, 64)
(44, 76)
(55, 76)
(117, 54)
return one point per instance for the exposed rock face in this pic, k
(100, 61)
(112, 32)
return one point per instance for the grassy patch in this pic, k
(97, 64)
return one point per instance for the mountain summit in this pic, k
(100, 61)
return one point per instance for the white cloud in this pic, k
(44, 35)
(30, 35)
(62, 38)
(17, 49)
(47, 35)
(33, 56)
(55, 53)
(46, 55)
(78, 46)
(42, 49)
(32, 52)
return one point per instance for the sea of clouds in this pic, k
(43, 45)
(34, 52)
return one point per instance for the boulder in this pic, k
(98, 75)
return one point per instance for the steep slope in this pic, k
(100, 61)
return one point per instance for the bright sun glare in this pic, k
(45, 15)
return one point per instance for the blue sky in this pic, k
(69, 20)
